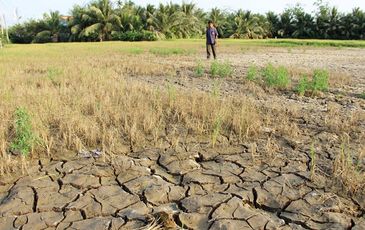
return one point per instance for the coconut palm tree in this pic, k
(130, 16)
(53, 26)
(190, 22)
(274, 23)
(165, 19)
(303, 24)
(219, 18)
(97, 20)
(250, 25)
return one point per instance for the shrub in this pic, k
(21, 33)
(221, 69)
(252, 73)
(276, 77)
(24, 137)
(134, 36)
(43, 37)
(199, 70)
(303, 85)
(268, 74)
(320, 80)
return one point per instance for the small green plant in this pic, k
(282, 79)
(221, 69)
(303, 85)
(199, 70)
(252, 73)
(217, 127)
(24, 137)
(320, 80)
(276, 77)
(269, 75)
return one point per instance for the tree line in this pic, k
(103, 20)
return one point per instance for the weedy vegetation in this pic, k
(277, 77)
(348, 167)
(252, 73)
(199, 69)
(221, 69)
(24, 137)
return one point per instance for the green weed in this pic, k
(199, 70)
(252, 73)
(320, 80)
(303, 85)
(277, 77)
(221, 69)
(24, 137)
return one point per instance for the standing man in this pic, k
(212, 36)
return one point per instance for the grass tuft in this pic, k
(277, 77)
(303, 85)
(221, 69)
(320, 80)
(252, 73)
(24, 139)
(199, 70)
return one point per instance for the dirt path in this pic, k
(262, 184)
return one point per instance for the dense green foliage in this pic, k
(101, 20)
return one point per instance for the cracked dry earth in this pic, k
(211, 189)
(200, 187)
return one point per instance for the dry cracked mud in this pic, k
(240, 186)
(210, 189)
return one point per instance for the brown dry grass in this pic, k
(80, 99)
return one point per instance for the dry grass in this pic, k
(348, 167)
(80, 99)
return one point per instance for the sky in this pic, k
(28, 9)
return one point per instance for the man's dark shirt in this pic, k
(211, 35)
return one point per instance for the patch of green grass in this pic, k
(24, 139)
(199, 70)
(316, 43)
(277, 77)
(320, 80)
(252, 73)
(170, 51)
(133, 50)
(221, 69)
(303, 85)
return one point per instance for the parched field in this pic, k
(154, 136)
